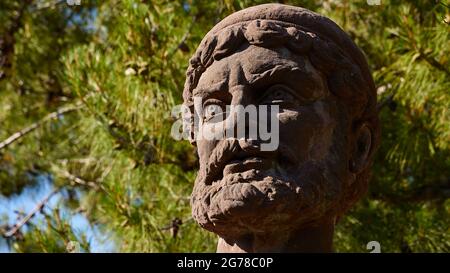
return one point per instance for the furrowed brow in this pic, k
(209, 90)
(271, 72)
(291, 73)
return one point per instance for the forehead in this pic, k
(254, 63)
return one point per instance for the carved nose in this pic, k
(243, 118)
(240, 95)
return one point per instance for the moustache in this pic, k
(240, 151)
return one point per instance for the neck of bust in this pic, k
(314, 239)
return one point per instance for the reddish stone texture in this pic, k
(287, 200)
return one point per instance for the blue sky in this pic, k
(32, 195)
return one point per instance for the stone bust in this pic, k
(287, 199)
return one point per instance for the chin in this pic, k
(256, 201)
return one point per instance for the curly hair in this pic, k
(303, 32)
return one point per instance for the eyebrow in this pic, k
(214, 88)
(283, 70)
(274, 70)
(252, 80)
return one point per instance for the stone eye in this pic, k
(279, 94)
(212, 111)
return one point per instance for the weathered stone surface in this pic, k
(289, 199)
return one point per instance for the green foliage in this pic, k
(124, 61)
(34, 39)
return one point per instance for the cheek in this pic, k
(204, 150)
(308, 130)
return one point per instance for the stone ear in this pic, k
(361, 149)
(188, 119)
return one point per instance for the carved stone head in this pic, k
(287, 198)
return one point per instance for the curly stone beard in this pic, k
(280, 196)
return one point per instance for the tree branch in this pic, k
(97, 185)
(384, 102)
(433, 62)
(14, 137)
(182, 44)
(30, 215)
(78, 180)
(422, 194)
(175, 225)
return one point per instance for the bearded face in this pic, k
(241, 188)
